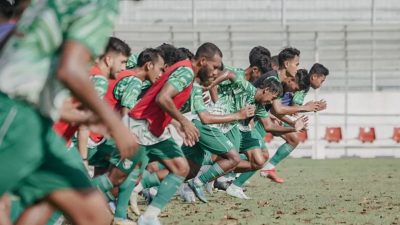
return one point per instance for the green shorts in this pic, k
(251, 140)
(100, 155)
(167, 149)
(211, 140)
(234, 136)
(34, 160)
(128, 165)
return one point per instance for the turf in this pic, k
(340, 191)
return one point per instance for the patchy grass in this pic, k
(340, 191)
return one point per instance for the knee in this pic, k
(258, 163)
(117, 177)
(293, 140)
(265, 155)
(234, 157)
(181, 167)
(97, 211)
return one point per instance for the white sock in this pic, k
(138, 188)
(234, 186)
(198, 182)
(152, 211)
(269, 166)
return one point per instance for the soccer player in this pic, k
(55, 43)
(152, 114)
(315, 79)
(123, 94)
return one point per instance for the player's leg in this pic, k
(171, 155)
(36, 214)
(215, 142)
(283, 152)
(5, 210)
(251, 145)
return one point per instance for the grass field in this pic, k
(340, 191)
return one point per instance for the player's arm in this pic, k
(165, 100)
(83, 137)
(279, 109)
(72, 71)
(130, 95)
(228, 75)
(214, 94)
(270, 126)
(208, 118)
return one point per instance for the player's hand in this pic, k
(311, 106)
(246, 112)
(301, 123)
(191, 133)
(322, 105)
(126, 142)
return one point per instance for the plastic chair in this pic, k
(333, 134)
(396, 134)
(366, 134)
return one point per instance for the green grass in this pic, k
(340, 191)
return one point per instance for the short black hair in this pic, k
(274, 59)
(319, 69)
(117, 45)
(148, 55)
(7, 8)
(258, 50)
(208, 50)
(187, 52)
(287, 54)
(171, 54)
(303, 79)
(273, 86)
(262, 62)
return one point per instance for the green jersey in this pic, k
(127, 91)
(28, 61)
(298, 97)
(100, 84)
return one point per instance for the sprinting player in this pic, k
(154, 112)
(32, 64)
(240, 92)
(211, 140)
(315, 79)
(123, 94)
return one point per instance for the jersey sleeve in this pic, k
(197, 100)
(129, 96)
(100, 84)
(298, 97)
(92, 24)
(181, 78)
(261, 112)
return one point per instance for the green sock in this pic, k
(125, 191)
(103, 183)
(282, 152)
(212, 173)
(150, 179)
(167, 189)
(243, 178)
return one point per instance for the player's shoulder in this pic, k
(183, 71)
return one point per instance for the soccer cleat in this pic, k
(134, 206)
(236, 192)
(198, 191)
(186, 193)
(120, 221)
(221, 185)
(210, 187)
(271, 174)
(148, 221)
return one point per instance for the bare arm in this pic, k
(165, 100)
(278, 108)
(83, 136)
(72, 71)
(208, 118)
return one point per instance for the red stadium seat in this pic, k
(366, 134)
(302, 135)
(396, 134)
(268, 137)
(333, 134)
